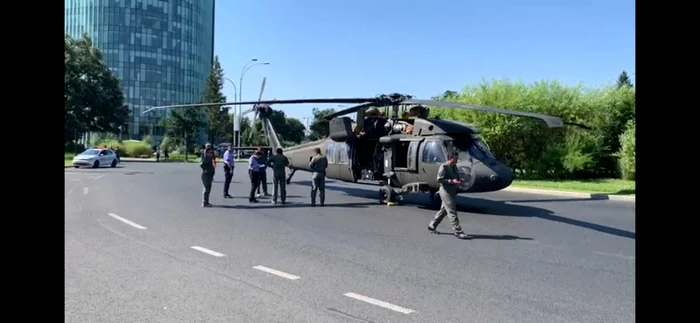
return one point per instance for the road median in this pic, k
(584, 195)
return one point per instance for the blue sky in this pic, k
(324, 48)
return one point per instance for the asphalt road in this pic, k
(139, 248)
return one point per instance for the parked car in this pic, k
(95, 157)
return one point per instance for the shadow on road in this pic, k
(268, 205)
(486, 236)
(484, 206)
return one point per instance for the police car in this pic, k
(95, 157)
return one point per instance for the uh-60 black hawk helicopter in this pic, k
(401, 154)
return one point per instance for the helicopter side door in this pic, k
(409, 173)
(343, 164)
(432, 155)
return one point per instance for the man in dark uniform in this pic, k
(279, 186)
(318, 165)
(262, 161)
(208, 170)
(448, 177)
(254, 172)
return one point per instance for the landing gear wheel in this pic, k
(114, 163)
(387, 195)
(96, 164)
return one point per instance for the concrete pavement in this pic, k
(139, 248)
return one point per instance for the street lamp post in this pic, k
(245, 69)
(234, 114)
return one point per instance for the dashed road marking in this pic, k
(97, 177)
(380, 303)
(133, 224)
(614, 255)
(207, 251)
(86, 190)
(276, 272)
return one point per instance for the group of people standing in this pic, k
(257, 172)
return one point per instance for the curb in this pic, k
(592, 196)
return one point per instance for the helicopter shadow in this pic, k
(486, 207)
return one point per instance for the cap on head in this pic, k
(279, 151)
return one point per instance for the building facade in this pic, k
(161, 51)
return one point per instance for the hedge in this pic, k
(534, 151)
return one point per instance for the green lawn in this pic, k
(68, 159)
(608, 186)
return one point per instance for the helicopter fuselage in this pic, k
(408, 162)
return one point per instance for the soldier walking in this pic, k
(279, 187)
(208, 169)
(262, 161)
(318, 165)
(448, 177)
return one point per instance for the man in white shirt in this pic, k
(229, 164)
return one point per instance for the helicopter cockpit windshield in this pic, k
(475, 147)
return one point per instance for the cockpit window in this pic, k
(433, 153)
(464, 148)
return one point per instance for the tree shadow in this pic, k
(485, 206)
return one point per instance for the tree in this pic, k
(319, 126)
(217, 116)
(93, 99)
(295, 130)
(624, 80)
(183, 124)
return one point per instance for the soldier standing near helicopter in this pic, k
(318, 165)
(448, 176)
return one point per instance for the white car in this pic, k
(95, 157)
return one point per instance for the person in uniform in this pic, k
(229, 164)
(262, 162)
(254, 172)
(318, 165)
(208, 170)
(448, 177)
(279, 187)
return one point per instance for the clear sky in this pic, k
(347, 48)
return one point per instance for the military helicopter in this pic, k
(400, 154)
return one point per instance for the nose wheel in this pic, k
(387, 195)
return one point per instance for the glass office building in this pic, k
(161, 50)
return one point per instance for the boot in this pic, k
(461, 235)
(432, 226)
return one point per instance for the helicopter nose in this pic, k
(492, 177)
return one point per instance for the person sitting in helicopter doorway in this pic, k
(254, 173)
(279, 186)
(448, 177)
(208, 170)
(262, 161)
(318, 165)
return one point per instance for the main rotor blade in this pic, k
(294, 101)
(552, 122)
(262, 89)
(349, 110)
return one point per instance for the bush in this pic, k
(148, 140)
(165, 143)
(533, 150)
(627, 155)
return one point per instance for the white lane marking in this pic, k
(133, 224)
(379, 303)
(276, 272)
(207, 251)
(97, 177)
(86, 190)
(614, 255)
